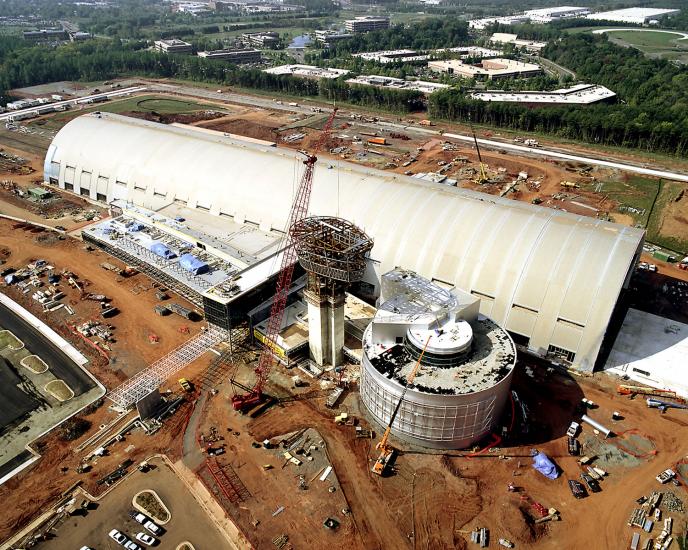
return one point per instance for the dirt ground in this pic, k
(427, 155)
(63, 209)
(433, 501)
(134, 296)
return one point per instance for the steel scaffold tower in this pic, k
(150, 379)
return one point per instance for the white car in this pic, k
(146, 522)
(153, 527)
(118, 537)
(85, 548)
(131, 545)
(573, 429)
(146, 539)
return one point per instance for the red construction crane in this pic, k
(299, 210)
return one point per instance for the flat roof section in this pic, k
(581, 94)
(239, 257)
(651, 350)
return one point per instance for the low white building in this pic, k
(547, 15)
(366, 23)
(488, 69)
(471, 51)
(507, 38)
(639, 16)
(397, 83)
(392, 56)
(173, 45)
(481, 24)
(308, 71)
(581, 94)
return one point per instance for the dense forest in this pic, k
(422, 35)
(100, 60)
(652, 113)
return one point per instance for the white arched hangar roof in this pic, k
(549, 276)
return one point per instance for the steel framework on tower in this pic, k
(299, 210)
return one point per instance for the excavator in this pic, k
(386, 450)
(623, 389)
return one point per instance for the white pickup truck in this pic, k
(666, 475)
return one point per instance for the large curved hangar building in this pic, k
(455, 364)
(550, 278)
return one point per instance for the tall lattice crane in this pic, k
(299, 210)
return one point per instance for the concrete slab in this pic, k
(651, 350)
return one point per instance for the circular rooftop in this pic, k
(331, 247)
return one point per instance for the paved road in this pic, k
(60, 365)
(540, 152)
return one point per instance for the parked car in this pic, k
(573, 429)
(146, 539)
(119, 537)
(85, 548)
(577, 489)
(591, 483)
(573, 446)
(131, 545)
(139, 517)
(153, 527)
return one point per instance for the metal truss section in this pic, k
(144, 265)
(151, 378)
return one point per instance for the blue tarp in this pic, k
(135, 226)
(545, 466)
(159, 249)
(193, 264)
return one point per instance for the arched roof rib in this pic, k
(548, 275)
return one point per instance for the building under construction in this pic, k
(465, 363)
(550, 278)
(213, 265)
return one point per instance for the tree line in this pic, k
(101, 60)
(652, 112)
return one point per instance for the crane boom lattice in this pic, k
(299, 210)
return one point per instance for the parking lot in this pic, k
(189, 522)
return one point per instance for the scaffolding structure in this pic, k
(144, 266)
(150, 379)
(332, 248)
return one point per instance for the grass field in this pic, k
(34, 363)
(141, 104)
(9, 340)
(656, 206)
(633, 193)
(659, 43)
(668, 224)
(650, 39)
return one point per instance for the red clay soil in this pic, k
(136, 320)
(437, 501)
